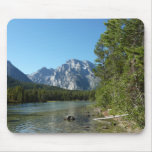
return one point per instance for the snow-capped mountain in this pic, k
(73, 75)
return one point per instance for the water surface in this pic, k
(49, 118)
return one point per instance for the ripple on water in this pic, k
(49, 118)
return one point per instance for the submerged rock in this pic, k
(86, 127)
(69, 118)
(114, 124)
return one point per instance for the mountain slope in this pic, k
(29, 85)
(73, 75)
(41, 76)
(15, 73)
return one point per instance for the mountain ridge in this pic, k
(15, 73)
(73, 75)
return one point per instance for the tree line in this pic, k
(22, 92)
(120, 66)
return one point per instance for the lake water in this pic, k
(49, 118)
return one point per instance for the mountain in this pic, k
(73, 75)
(41, 76)
(29, 85)
(15, 73)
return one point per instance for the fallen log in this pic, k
(110, 117)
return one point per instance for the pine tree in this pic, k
(120, 66)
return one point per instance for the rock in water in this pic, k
(69, 118)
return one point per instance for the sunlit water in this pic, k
(49, 117)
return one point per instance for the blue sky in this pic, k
(33, 44)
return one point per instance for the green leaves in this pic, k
(18, 94)
(120, 65)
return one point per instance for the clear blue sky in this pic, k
(33, 44)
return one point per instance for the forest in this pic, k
(23, 92)
(120, 65)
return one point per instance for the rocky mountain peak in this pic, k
(74, 75)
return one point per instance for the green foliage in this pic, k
(120, 65)
(19, 92)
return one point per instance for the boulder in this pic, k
(69, 118)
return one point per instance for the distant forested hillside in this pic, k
(24, 92)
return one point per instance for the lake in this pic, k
(49, 118)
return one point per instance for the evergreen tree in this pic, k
(120, 65)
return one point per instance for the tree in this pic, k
(120, 66)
